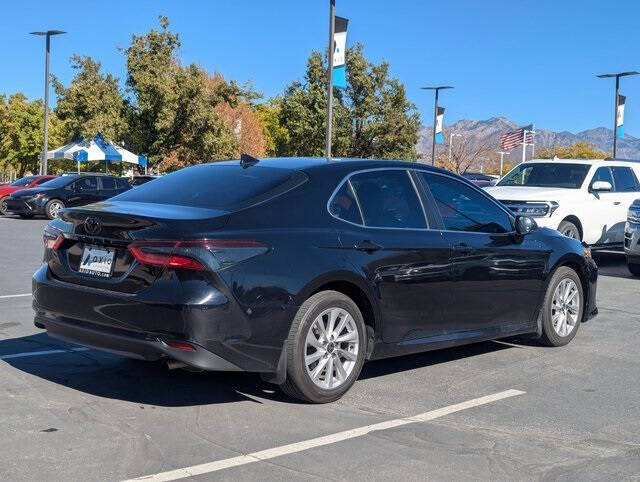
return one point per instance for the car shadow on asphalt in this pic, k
(389, 366)
(152, 383)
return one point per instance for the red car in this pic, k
(23, 183)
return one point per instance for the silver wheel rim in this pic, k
(565, 307)
(331, 348)
(3, 206)
(569, 233)
(54, 209)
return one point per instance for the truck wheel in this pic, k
(325, 349)
(562, 308)
(570, 230)
(634, 268)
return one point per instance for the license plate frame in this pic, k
(97, 261)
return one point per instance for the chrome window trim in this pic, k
(355, 196)
(348, 177)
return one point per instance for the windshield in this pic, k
(58, 181)
(547, 174)
(23, 181)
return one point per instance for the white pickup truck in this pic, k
(583, 199)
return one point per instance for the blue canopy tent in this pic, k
(97, 150)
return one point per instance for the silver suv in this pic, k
(632, 238)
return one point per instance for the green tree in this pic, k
(92, 104)
(21, 131)
(372, 117)
(579, 150)
(172, 108)
(275, 134)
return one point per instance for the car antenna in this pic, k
(247, 161)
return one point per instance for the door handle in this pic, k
(367, 246)
(616, 203)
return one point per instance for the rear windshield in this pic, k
(227, 187)
(547, 174)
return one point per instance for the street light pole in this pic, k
(435, 118)
(332, 26)
(47, 34)
(615, 103)
(502, 153)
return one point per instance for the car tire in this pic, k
(563, 308)
(570, 230)
(3, 205)
(634, 268)
(53, 207)
(320, 368)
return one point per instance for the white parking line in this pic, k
(3, 297)
(320, 441)
(39, 353)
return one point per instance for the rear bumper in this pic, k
(144, 347)
(143, 325)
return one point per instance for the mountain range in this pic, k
(488, 132)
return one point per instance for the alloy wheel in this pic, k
(565, 307)
(54, 208)
(331, 348)
(569, 233)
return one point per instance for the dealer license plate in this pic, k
(97, 261)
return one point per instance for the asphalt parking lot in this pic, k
(495, 410)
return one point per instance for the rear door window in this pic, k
(221, 186)
(625, 179)
(108, 183)
(388, 199)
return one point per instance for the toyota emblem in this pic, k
(92, 225)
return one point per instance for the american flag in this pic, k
(511, 139)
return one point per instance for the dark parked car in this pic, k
(632, 238)
(302, 269)
(65, 191)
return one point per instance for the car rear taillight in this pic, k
(212, 254)
(52, 238)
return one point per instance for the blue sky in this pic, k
(531, 61)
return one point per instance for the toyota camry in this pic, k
(304, 269)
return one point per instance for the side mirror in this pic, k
(601, 186)
(525, 225)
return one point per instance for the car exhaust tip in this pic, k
(174, 364)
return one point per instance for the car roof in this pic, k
(584, 161)
(322, 163)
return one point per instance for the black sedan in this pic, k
(52, 196)
(303, 269)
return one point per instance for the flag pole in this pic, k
(524, 144)
(332, 20)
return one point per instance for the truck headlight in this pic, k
(534, 209)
